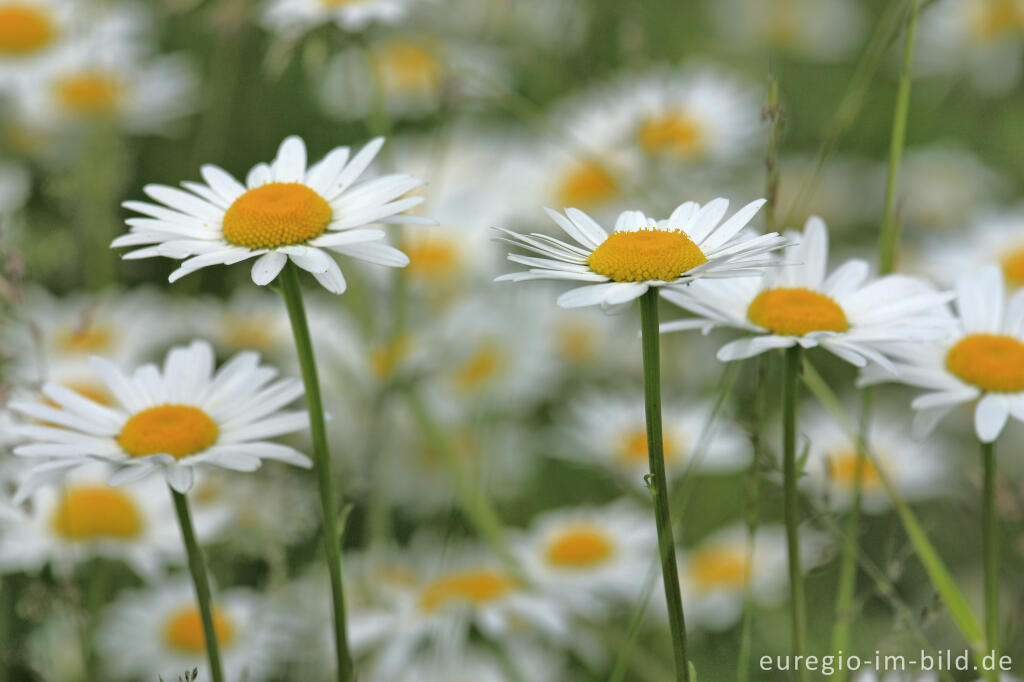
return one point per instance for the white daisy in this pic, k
(993, 237)
(29, 31)
(610, 430)
(284, 211)
(642, 252)
(158, 632)
(175, 420)
(796, 304)
(942, 185)
(84, 518)
(916, 469)
(586, 556)
(297, 16)
(980, 361)
(820, 29)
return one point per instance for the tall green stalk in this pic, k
(657, 482)
(790, 503)
(201, 582)
(990, 540)
(292, 294)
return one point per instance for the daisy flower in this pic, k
(284, 211)
(642, 252)
(29, 31)
(980, 362)
(818, 29)
(916, 469)
(174, 420)
(297, 16)
(994, 237)
(153, 632)
(795, 304)
(942, 185)
(583, 557)
(610, 430)
(84, 518)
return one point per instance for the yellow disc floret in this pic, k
(90, 93)
(676, 134)
(96, 512)
(719, 567)
(646, 255)
(633, 447)
(796, 311)
(184, 630)
(405, 66)
(1013, 267)
(24, 29)
(845, 466)
(177, 430)
(992, 362)
(276, 214)
(586, 184)
(579, 547)
(473, 586)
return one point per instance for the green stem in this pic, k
(656, 480)
(753, 497)
(201, 582)
(292, 294)
(890, 236)
(990, 538)
(790, 502)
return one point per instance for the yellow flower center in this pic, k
(239, 331)
(24, 29)
(96, 512)
(177, 430)
(88, 339)
(433, 258)
(485, 364)
(580, 547)
(406, 66)
(475, 587)
(633, 447)
(997, 19)
(645, 255)
(843, 469)
(586, 184)
(276, 214)
(1013, 267)
(88, 94)
(576, 342)
(796, 311)
(183, 631)
(676, 134)
(385, 360)
(992, 362)
(719, 567)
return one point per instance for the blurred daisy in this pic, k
(916, 469)
(942, 186)
(526, 662)
(980, 361)
(583, 557)
(284, 211)
(249, 320)
(872, 676)
(298, 16)
(53, 649)
(642, 252)
(836, 188)
(981, 39)
(994, 237)
(796, 304)
(153, 632)
(715, 573)
(819, 29)
(83, 518)
(30, 30)
(175, 420)
(610, 430)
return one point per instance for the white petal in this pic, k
(267, 267)
(290, 163)
(990, 416)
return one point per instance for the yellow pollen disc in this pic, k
(992, 362)
(96, 512)
(276, 214)
(406, 66)
(239, 331)
(676, 134)
(796, 311)
(1013, 267)
(475, 587)
(998, 19)
(646, 255)
(586, 184)
(433, 258)
(633, 447)
(580, 547)
(88, 94)
(89, 340)
(719, 568)
(385, 360)
(177, 430)
(843, 469)
(184, 630)
(576, 342)
(485, 364)
(24, 29)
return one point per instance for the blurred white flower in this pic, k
(816, 29)
(941, 186)
(994, 236)
(297, 16)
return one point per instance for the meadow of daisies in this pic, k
(511, 340)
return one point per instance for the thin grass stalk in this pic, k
(990, 552)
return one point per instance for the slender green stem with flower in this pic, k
(292, 294)
(197, 568)
(990, 540)
(657, 483)
(790, 502)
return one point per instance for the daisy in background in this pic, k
(294, 17)
(996, 236)
(83, 518)
(642, 253)
(609, 429)
(836, 188)
(30, 30)
(285, 211)
(158, 631)
(248, 320)
(175, 419)
(796, 304)
(917, 469)
(816, 29)
(715, 573)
